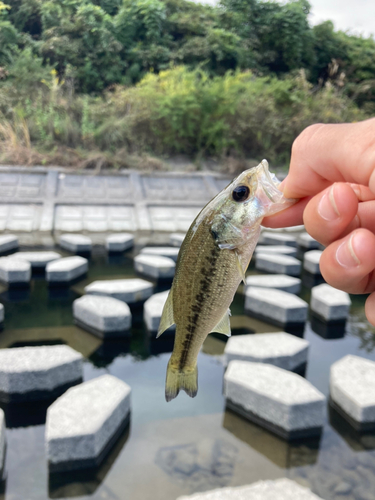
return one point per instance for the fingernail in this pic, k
(327, 208)
(345, 254)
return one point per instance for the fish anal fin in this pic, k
(224, 325)
(167, 319)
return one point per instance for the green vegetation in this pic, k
(113, 82)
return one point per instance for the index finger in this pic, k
(323, 154)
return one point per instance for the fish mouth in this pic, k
(269, 182)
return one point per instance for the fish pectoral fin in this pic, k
(241, 265)
(224, 325)
(167, 319)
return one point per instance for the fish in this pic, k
(211, 264)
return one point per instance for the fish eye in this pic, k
(240, 193)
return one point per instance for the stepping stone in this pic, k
(170, 252)
(66, 269)
(154, 266)
(176, 239)
(2, 442)
(280, 489)
(84, 424)
(152, 311)
(282, 264)
(37, 259)
(329, 303)
(35, 373)
(352, 388)
(307, 242)
(76, 243)
(8, 242)
(278, 249)
(275, 306)
(119, 242)
(279, 400)
(311, 261)
(278, 281)
(14, 271)
(279, 349)
(105, 317)
(271, 238)
(128, 290)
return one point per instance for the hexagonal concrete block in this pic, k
(154, 266)
(273, 238)
(307, 242)
(311, 261)
(152, 311)
(105, 317)
(84, 424)
(2, 442)
(176, 239)
(276, 263)
(280, 489)
(279, 400)
(119, 242)
(76, 243)
(67, 269)
(279, 349)
(37, 259)
(170, 252)
(35, 373)
(278, 249)
(275, 306)
(130, 291)
(352, 388)
(14, 271)
(8, 242)
(278, 281)
(329, 303)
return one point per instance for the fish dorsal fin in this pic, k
(240, 266)
(224, 325)
(167, 318)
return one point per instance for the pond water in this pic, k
(187, 445)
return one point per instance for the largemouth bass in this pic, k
(211, 263)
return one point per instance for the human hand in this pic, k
(332, 171)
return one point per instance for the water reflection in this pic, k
(282, 453)
(108, 351)
(358, 441)
(310, 280)
(16, 294)
(328, 330)
(85, 482)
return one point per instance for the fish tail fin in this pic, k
(186, 379)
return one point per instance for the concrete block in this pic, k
(119, 242)
(106, 317)
(66, 269)
(307, 242)
(176, 239)
(273, 238)
(329, 303)
(275, 306)
(279, 400)
(154, 266)
(2, 442)
(14, 271)
(352, 388)
(282, 264)
(152, 310)
(311, 261)
(84, 423)
(76, 243)
(278, 249)
(279, 349)
(37, 259)
(35, 373)
(170, 252)
(130, 291)
(281, 489)
(278, 281)
(8, 242)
